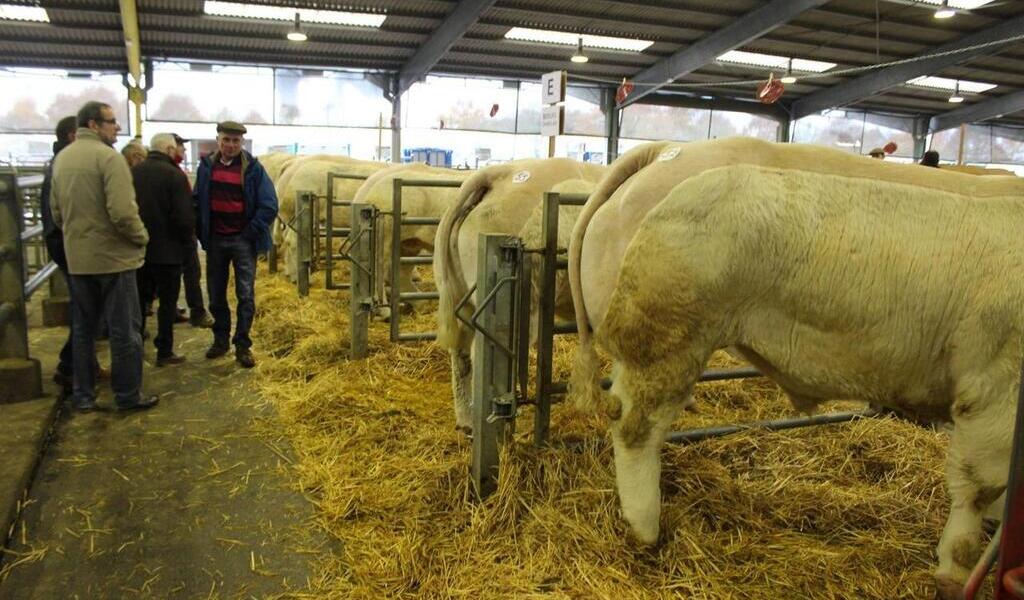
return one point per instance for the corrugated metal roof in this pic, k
(87, 34)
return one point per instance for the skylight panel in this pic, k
(944, 83)
(16, 12)
(284, 13)
(564, 38)
(960, 4)
(757, 59)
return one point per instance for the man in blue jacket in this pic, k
(236, 205)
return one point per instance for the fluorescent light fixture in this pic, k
(788, 77)
(15, 12)
(284, 13)
(579, 57)
(853, 144)
(944, 83)
(958, 4)
(955, 97)
(757, 59)
(545, 36)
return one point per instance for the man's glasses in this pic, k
(111, 121)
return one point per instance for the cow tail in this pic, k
(451, 283)
(585, 381)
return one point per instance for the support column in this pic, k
(611, 124)
(396, 122)
(785, 127)
(920, 134)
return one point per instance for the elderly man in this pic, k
(134, 152)
(165, 205)
(877, 153)
(190, 270)
(93, 202)
(236, 206)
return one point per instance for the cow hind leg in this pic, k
(462, 379)
(644, 403)
(976, 472)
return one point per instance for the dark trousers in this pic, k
(66, 364)
(223, 252)
(163, 281)
(191, 274)
(114, 296)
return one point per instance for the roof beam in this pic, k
(741, 31)
(877, 81)
(980, 111)
(444, 37)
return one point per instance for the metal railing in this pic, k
(398, 219)
(21, 274)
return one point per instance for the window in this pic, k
(651, 122)
(332, 98)
(730, 124)
(36, 99)
(1007, 145)
(837, 129)
(457, 103)
(210, 93)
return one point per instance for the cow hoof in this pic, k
(947, 589)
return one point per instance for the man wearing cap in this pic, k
(877, 153)
(236, 205)
(191, 273)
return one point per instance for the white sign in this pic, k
(552, 87)
(552, 118)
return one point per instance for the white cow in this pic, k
(416, 202)
(275, 163)
(497, 199)
(846, 282)
(310, 174)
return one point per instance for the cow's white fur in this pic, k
(496, 199)
(836, 287)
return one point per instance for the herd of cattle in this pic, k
(838, 276)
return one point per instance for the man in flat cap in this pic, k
(877, 153)
(236, 205)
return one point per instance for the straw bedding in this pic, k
(841, 511)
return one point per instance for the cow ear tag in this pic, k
(668, 154)
(521, 177)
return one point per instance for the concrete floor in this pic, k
(183, 501)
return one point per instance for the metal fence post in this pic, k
(361, 257)
(493, 357)
(395, 250)
(546, 318)
(20, 376)
(304, 231)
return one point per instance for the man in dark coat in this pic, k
(165, 205)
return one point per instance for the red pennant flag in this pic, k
(890, 148)
(770, 91)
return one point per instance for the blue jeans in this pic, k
(223, 252)
(115, 297)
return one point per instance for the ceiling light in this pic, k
(944, 83)
(958, 4)
(757, 59)
(956, 98)
(283, 13)
(579, 57)
(571, 39)
(14, 12)
(944, 11)
(788, 77)
(296, 34)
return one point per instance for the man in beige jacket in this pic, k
(93, 202)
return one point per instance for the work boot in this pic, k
(140, 404)
(244, 357)
(170, 359)
(218, 349)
